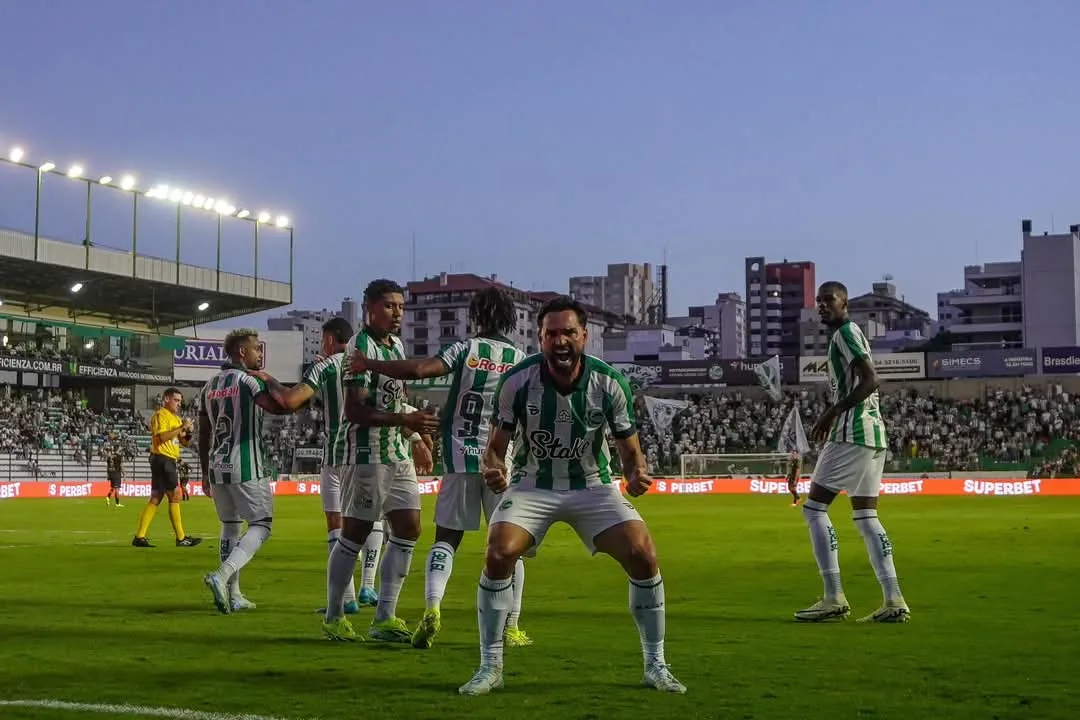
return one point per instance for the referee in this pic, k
(168, 434)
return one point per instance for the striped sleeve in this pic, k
(504, 415)
(851, 343)
(452, 356)
(314, 377)
(619, 406)
(254, 385)
(348, 377)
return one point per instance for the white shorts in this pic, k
(370, 491)
(462, 497)
(248, 501)
(330, 488)
(589, 512)
(855, 469)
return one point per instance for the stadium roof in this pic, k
(106, 297)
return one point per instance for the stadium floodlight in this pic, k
(203, 306)
(199, 201)
(188, 198)
(243, 214)
(175, 194)
(104, 179)
(76, 287)
(16, 154)
(47, 167)
(127, 182)
(282, 221)
(264, 217)
(75, 171)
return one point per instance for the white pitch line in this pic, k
(111, 709)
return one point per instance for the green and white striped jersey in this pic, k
(324, 377)
(862, 424)
(236, 423)
(476, 366)
(375, 445)
(563, 444)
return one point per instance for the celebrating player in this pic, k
(564, 401)
(476, 365)
(852, 460)
(378, 478)
(231, 456)
(324, 378)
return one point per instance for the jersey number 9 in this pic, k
(471, 412)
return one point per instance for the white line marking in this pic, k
(110, 709)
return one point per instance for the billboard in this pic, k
(1060, 360)
(202, 357)
(889, 366)
(76, 369)
(722, 372)
(981, 363)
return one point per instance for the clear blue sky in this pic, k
(544, 139)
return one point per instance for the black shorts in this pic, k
(115, 480)
(163, 475)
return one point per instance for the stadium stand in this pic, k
(52, 434)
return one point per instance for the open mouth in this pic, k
(563, 355)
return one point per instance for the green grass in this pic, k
(991, 582)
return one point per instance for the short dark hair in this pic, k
(562, 303)
(171, 391)
(339, 329)
(236, 338)
(493, 310)
(836, 286)
(376, 289)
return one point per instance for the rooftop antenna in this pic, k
(414, 256)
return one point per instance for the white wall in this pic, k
(283, 354)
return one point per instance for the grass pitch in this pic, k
(991, 583)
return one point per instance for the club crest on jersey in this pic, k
(594, 417)
(487, 365)
(545, 446)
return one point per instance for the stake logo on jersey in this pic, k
(564, 437)
(325, 378)
(477, 365)
(228, 400)
(375, 445)
(862, 424)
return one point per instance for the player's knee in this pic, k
(267, 524)
(640, 555)
(500, 558)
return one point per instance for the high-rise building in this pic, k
(988, 311)
(310, 323)
(1051, 276)
(727, 318)
(776, 295)
(627, 290)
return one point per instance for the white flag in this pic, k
(662, 411)
(792, 435)
(768, 374)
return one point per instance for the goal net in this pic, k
(740, 466)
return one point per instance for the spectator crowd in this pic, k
(1033, 429)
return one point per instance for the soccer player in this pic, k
(852, 460)
(564, 402)
(378, 478)
(324, 378)
(231, 455)
(168, 433)
(114, 470)
(794, 468)
(476, 365)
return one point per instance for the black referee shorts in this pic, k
(164, 477)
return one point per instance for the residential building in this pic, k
(776, 295)
(814, 336)
(627, 290)
(988, 311)
(644, 343)
(310, 322)
(727, 318)
(882, 306)
(437, 314)
(1050, 302)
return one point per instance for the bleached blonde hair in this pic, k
(237, 336)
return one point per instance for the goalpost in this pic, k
(772, 464)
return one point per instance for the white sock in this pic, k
(494, 598)
(331, 540)
(519, 588)
(392, 574)
(230, 535)
(880, 549)
(440, 565)
(823, 540)
(244, 549)
(372, 550)
(339, 572)
(647, 607)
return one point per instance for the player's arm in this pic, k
(622, 423)
(205, 431)
(852, 345)
(417, 369)
(505, 417)
(293, 398)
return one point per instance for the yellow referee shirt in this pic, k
(162, 421)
